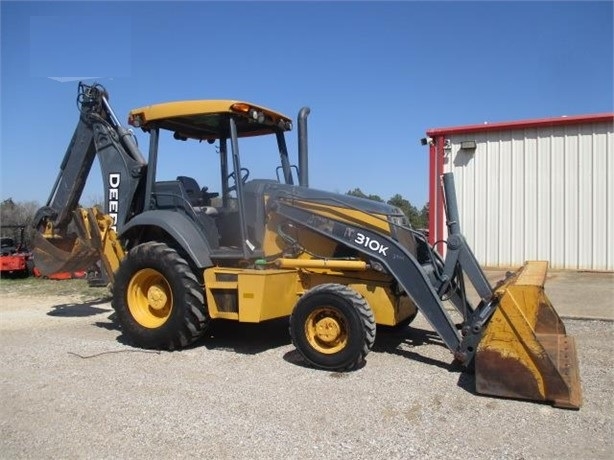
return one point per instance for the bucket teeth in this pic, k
(524, 352)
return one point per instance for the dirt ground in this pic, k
(72, 388)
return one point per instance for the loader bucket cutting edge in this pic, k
(66, 254)
(524, 352)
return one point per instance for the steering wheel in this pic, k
(244, 176)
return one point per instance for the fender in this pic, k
(182, 229)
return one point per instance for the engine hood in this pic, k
(321, 196)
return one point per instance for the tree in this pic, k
(424, 216)
(359, 193)
(408, 209)
(12, 213)
(418, 219)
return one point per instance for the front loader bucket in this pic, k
(524, 352)
(65, 254)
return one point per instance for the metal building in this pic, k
(530, 190)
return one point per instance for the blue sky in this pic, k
(376, 75)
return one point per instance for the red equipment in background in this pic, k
(15, 258)
(61, 275)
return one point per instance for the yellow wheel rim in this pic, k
(326, 330)
(149, 298)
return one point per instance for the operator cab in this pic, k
(229, 219)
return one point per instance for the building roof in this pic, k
(523, 124)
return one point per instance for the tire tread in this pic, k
(365, 315)
(195, 320)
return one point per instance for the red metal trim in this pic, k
(439, 142)
(432, 192)
(523, 124)
(436, 205)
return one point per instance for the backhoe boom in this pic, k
(98, 133)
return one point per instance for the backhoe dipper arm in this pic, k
(69, 184)
(98, 132)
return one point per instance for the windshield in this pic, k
(261, 157)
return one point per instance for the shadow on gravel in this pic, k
(294, 357)
(389, 339)
(246, 338)
(233, 336)
(110, 324)
(77, 310)
(251, 339)
(466, 381)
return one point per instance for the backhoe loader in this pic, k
(179, 256)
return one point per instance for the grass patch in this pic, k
(39, 287)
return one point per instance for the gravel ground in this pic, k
(70, 388)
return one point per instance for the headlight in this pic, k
(398, 221)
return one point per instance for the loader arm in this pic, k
(98, 134)
(390, 254)
(513, 338)
(410, 275)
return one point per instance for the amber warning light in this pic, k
(136, 120)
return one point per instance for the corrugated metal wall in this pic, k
(538, 193)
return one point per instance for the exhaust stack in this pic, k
(303, 160)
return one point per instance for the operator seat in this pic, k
(192, 189)
(200, 199)
(172, 195)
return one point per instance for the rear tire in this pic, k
(158, 300)
(333, 327)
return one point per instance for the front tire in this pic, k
(158, 300)
(333, 327)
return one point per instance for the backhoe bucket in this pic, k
(524, 352)
(65, 254)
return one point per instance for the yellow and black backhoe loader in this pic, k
(179, 256)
